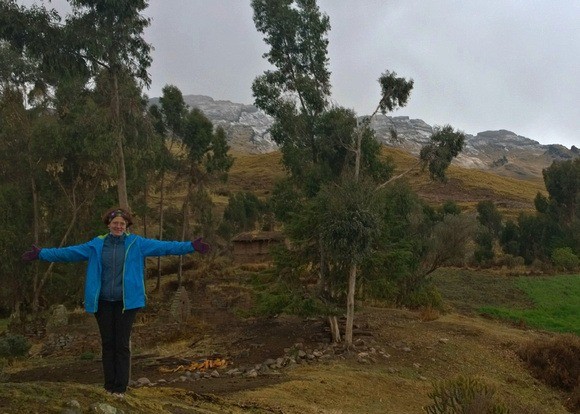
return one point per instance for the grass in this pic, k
(4, 325)
(556, 304)
(548, 303)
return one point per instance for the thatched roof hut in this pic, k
(254, 246)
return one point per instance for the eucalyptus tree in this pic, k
(109, 37)
(320, 143)
(206, 157)
(167, 118)
(16, 179)
(97, 39)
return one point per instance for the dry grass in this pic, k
(444, 349)
(259, 172)
(467, 187)
(556, 362)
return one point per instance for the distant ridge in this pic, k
(502, 152)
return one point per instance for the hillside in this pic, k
(283, 364)
(502, 152)
(287, 364)
(259, 172)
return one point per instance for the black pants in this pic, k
(115, 328)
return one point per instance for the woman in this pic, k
(115, 285)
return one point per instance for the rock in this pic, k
(58, 317)
(252, 374)
(72, 407)
(270, 362)
(247, 130)
(235, 372)
(104, 408)
(141, 382)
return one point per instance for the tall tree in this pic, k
(206, 156)
(320, 144)
(167, 121)
(109, 36)
(98, 37)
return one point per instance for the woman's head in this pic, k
(117, 220)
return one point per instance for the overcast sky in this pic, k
(477, 65)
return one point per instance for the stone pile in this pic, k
(293, 357)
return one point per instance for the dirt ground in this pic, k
(397, 353)
(243, 343)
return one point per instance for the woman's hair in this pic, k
(117, 212)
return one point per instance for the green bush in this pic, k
(565, 259)
(464, 395)
(87, 356)
(423, 297)
(13, 346)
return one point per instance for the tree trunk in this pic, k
(334, 328)
(184, 226)
(39, 282)
(122, 180)
(350, 305)
(161, 217)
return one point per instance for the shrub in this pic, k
(509, 261)
(87, 356)
(464, 395)
(565, 259)
(4, 377)
(13, 346)
(556, 363)
(425, 296)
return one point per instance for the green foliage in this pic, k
(464, 395)
(557, 222)
(87, 356)
(348, 222)
(13, 346)
(556, 306)
(489, 217)
(296, 32)
(562, 181)
(242, 213)
(509, 238)
(173, 110)
(286, 302)
(395, 91)
(285, 200)
(422, 296)
(565, 259)
(484, 251)
(445, 144)
(218, 161)
(450, 207)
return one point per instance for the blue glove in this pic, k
(31, 255)
(200, 246)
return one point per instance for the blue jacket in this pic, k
(137, 248)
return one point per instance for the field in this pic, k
(556, 304)
(398, 359)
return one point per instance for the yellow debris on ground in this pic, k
(203, 365)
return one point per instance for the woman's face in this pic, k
(117, 226)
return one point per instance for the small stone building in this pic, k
(255, 246)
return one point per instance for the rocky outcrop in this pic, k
(502, 151)
(246, 127)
